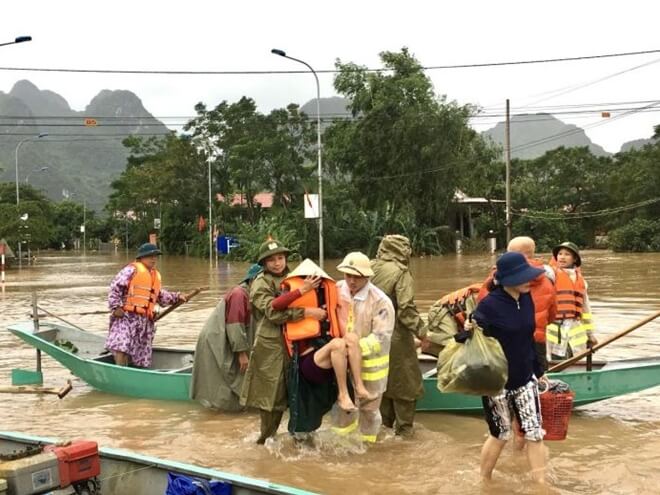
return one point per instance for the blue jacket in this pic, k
(512, 323)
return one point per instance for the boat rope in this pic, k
(124, 473)
(60, 318)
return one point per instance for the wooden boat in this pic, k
(170, 377)
(124, 472)
(604, 381)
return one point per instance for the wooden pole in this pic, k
(507, 158)
(27, 389)
(565, 364)
(171, 308)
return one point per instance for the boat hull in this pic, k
(611, 380)
(124, 472)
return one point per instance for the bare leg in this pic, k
(355, 363)
(536, 458)
(518, 438)
(121, 358)
(490, 452)
(333, 355)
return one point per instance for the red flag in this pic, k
(201, 224)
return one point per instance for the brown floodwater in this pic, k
(613, 446)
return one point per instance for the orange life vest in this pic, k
(143, 291)
(455, 302)
(305, 330)
(569, 295)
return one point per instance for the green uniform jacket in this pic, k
(216, 378)
(391, 275)
(264, 386)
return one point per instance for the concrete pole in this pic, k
(507, 151)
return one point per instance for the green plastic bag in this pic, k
(476, 367)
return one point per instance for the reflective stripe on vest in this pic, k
(143, 290)
(309, 328)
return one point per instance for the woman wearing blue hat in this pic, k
(507, 314)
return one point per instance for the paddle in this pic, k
(565, 364)
(26, 389)
(171, 308)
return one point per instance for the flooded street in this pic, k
(613, 446)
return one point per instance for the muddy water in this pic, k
(614, 446)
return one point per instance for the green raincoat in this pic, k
(392, 276)
(216, 378)
(264, 386)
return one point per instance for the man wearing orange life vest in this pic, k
(366, 311)
(572, 330)
(134, 292)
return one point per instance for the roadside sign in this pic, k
(82, 229)
(90, 123)
(311, 205)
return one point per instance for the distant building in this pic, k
(465, 208)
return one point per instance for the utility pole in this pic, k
(507, 157)
(84, 227)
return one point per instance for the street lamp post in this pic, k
(19, 39)
(282, 53)
(18, 146)
(210, 219)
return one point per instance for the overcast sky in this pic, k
(238, 35)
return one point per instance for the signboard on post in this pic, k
(82, 229)
(311, 205)
(157, 223)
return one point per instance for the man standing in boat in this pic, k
(404, 383)
(223, 348)
(134, 293)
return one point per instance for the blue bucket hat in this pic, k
(513, 269)
(252, 272)
(147, 249)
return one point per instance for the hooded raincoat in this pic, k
(392, 276)
(216, 377)
(264, 386)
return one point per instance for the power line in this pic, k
(326, 71)
(545, 215)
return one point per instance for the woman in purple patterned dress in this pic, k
(134, 292)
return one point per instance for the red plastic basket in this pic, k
(556, 410)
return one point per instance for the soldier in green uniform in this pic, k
(404, 382)
(264, 386)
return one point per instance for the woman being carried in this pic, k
(322, 361)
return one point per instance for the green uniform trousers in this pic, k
(398, 414)
(270, 422)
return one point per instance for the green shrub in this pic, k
(639, 235)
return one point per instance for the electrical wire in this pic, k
(326, 71)
(545, 215)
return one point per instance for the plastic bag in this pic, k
(476, 367)
(179, 484)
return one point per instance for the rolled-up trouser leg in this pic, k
(404, 411)
(270, 422)
(387, 412)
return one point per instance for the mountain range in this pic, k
(79, 153)
(82, 152)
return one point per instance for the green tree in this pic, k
(406, 149)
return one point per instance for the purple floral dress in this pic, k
(132, 334)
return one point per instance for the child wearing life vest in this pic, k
(572, 330)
